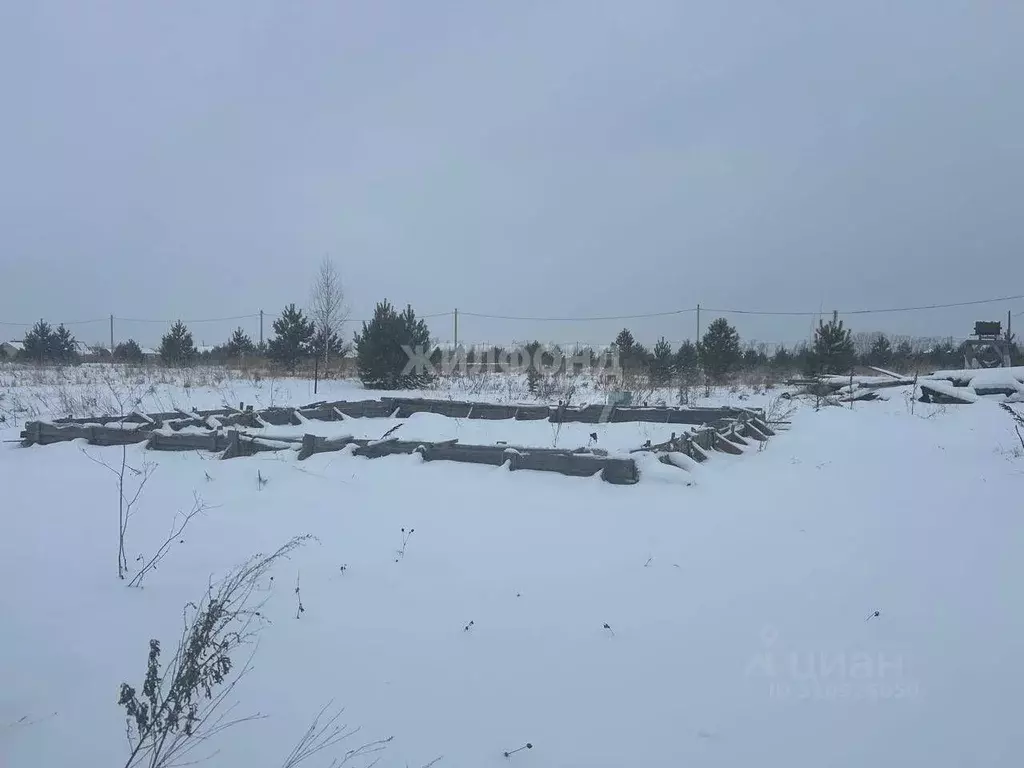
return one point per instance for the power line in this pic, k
(875, 311)
(796, 313)
(74, 322)
(187, 322)
(580, 319)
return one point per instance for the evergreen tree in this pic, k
(177, 347)
(128, 352)
(720, 350)
(782, 360)
(833, 348)
(903, 356)
(238, 345)
(687, 363)
(293, 340)
(381, 348)
(803, 357)
(38, 344)
(751, 359)
(327, 345)
(533, 374)
(640, 360)
(881, 351)
(945, 354)
(662, 363)
(65, 348)
(44, 344)
(624, 343)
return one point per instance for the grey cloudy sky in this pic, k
(198, 159)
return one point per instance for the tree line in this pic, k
(313, 336)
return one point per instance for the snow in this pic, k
(861, 380)
(967, 376)
(993, 378)
(541, 433)
(738, 594)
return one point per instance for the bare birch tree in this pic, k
(327, 306)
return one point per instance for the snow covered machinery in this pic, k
(989, 348)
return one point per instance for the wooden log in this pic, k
(238, 445)
(389, 447)
(209, 441)
(272, 437)
(45, 433)
(242, 419)
(733, 436)
(695, 452)
(590, 414)
(323, 413)
(531, 412)
(724, 445)
(750, 430)
(493, 455)
(234, 449)
(619, 471)
(705, 438)
(945, 394)
(493, 412)
(279, 417)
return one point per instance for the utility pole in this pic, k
(456, 327)
(261, 327)
(698, 324)
(1009, 339)
(111, 334)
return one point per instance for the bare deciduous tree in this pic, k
(327, 306)
(127, 476)
(178, 525)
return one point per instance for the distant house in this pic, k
(10, 349)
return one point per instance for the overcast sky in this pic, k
(555, 159)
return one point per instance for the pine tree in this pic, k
(327, 345)
(662, 363)
(177, 347)
(720, 350)
(65, 348)
(881, 351)
(128, 352)
(903, 355)
(381, 358)
(293, 340)
(782, 360)
(687, 363)
(533, 375)
(239, 345)
(38, 345)
(45, 344)
(945, 355)
(624, 343)
(833, 348)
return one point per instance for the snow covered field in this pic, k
(738, 597)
